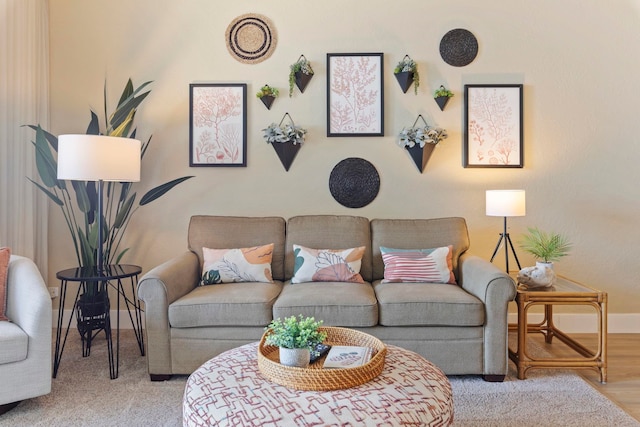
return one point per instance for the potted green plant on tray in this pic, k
(296, 338)
(442, 95)
(300, 73)
(267, 95)
(406, 72)
(420, 141)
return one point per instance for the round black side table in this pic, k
(92, 306)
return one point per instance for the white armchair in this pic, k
(25, 341)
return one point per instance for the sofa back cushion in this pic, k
(417, 234)
(233, 232)
(328, 232)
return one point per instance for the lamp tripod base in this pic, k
(507, 244)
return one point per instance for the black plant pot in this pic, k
(302, 80)
(421, 156)
(405, 79)
(287, 152)
(267, 100)
(442, 102)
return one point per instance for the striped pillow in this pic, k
(418, 265)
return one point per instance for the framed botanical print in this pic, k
(218, 124)
(355, 95)
(493, 134)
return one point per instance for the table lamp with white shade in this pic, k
(98, 158)
(505, 203)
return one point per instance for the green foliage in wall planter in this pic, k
(78, 199)
(302, 65)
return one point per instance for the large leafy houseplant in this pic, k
(78, 199)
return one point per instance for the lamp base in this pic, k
(507, 244)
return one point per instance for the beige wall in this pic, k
(577, 59)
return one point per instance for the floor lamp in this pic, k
(99, 158)
(505, 203)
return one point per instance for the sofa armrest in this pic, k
(29, 307)
(158, 288)
(495, 289)
(29, 302)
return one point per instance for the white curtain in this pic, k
(24, 100)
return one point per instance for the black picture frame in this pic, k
(218, 124)
(493, 126)
(351, 75)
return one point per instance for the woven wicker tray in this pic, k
(318, 379)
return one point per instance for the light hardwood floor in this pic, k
(623, 363)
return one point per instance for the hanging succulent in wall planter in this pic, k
(286, 139)
(442, 95)
(420, 141)
(300, 73)
(267, 95)
(406, 73)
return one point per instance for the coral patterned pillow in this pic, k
(327, 265)
(237, 265)
(5, 255)
(418, 265)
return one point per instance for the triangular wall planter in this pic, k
(405, 79)
(267, 100)
(302, 80)
(421, 156)
(286, 152)
(442, 101)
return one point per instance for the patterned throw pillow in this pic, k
(418, 265)
(327, 265)
(237, 265)
(5, 255)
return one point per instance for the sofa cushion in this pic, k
(328, 231)
(335, 303)
(327, 265)
(14, 343)
(417, 233)
(226, 304)
(418, 265)
(427, 304)
(207, 231)
(237, 265)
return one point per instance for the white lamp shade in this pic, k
(505, 203)
(98, 157)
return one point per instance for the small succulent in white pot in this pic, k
(295, 333)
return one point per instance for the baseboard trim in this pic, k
(125, 322)
(617, 323)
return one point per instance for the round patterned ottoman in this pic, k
(229, 390)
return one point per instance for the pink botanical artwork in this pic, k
(494, 126)
(355, 94)
(217, 125)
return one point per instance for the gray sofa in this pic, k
(461, 328)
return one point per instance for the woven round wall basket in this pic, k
(315, 377)
(354, 182)
(251, 38)
(458, 47)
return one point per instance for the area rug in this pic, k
(83, 395)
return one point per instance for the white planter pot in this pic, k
(540, 276)
(298, 357)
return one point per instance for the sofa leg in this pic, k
(8, 406)
(160, 377)
(494, 378)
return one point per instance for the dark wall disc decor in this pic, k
(251, 38)
(354, 182)
(458, 47)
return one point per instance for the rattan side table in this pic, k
(564, 292)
